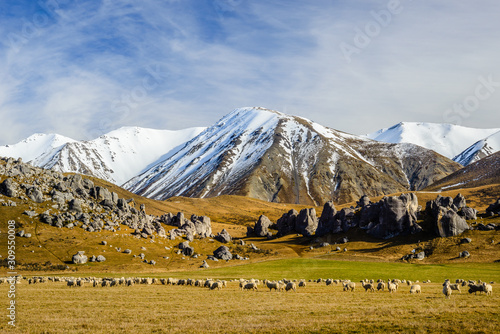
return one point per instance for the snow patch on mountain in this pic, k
(479, 150)
(446, 139)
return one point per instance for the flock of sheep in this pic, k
(391, 285)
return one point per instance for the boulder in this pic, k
(363, 201)
(307, 222)
(223, 253)
(466, 241)
(204, 264)
(286, 224)
(9, 187)
(223, 236)
(79, 258)
(188, 251)
(75, 205)
(493, 209)
(327, 220)
(468, 213)
(184, 244)
(442, 215)
(459, 201)
(202, 226)
(35, 194)
(449, 224)
(100, 258)
(261, 228)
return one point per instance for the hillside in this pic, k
(482, 172)
(479, 150)
(51, 247)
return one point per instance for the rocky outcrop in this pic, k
(307, 222)
(286, 224)
(327, 220)
(442, 213)
(396, 216)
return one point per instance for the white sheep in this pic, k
(415, 288)
(447, 289)
(250, 286)
(291, 286)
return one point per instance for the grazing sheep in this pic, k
(130, 282)
(105, 283)
(80, 282)
(163, 281)
(488, 289)
(291, 286)
(415, 288)
(447, 289)
(281, 286)
(329, 281)
(70, 283)
(349, 286)
(392, 287)
(380, 286)
(302, 284)
(455, 287)
(409, 283)
(216, 285)
(367, 286)
(272, 285)
(250, 286)
(474, 288)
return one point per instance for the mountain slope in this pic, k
(446, 139)
(268, 155)
(482, 172)
(479, 150)
(116, 156)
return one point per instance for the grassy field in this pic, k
(317, 308)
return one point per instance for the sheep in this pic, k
(70, 283)
(488, 289)
(455, 287)
(329, 281)
(302, 284)
(80, 282)
(130, 282)
(216, 285)
(380, 286)
(291, 286)
(349, 286)
(474, 288)
(447, 289)
(415, 288)
(367, 286)
(392, 287)
(272, 285)
(281, 286)
(409, 283)
(104, 283)
(250, 286)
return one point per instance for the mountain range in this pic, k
(267, 155)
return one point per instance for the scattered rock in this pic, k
(223, 253)
(223, 236)
(100, 258)
(79, 258)
(466, 241)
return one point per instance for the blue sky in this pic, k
(84, 68)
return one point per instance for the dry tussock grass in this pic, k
(55, 308)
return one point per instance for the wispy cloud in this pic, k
(84, 68)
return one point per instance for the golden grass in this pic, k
(55, 308)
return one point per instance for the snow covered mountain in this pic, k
(116, 156)
(268, 155)
(446, 139)
(479, 150)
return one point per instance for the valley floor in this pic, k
(54, 307)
